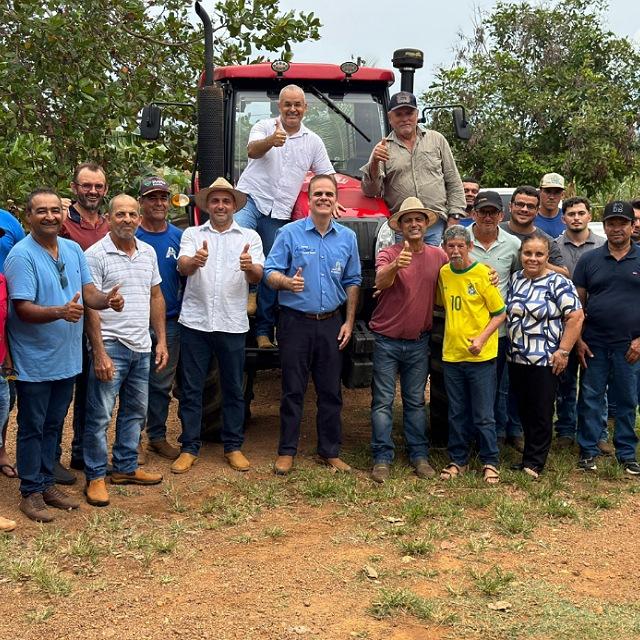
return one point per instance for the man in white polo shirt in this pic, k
(220, 260)
(121, 351)
(281, 151)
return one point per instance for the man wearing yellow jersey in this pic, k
(474, 310)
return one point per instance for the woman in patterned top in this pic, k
(544, 320)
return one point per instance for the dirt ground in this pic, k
(218, 554)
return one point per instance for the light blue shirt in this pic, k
(330, 264)
(49, 350)
(13, 233)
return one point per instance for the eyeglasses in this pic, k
(8, 373)
(88, 186)
(524, 205)
(63, 277)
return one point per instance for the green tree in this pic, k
(74, 76)
(548, 88)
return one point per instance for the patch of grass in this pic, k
(558, 508)
(48, 539)
(393, 601)
(153, 542)
(274, 532)
(328, 487)
(477, 499)
(418, 547)
(225, 509)
(512, 518)
(603, 502)
(609, 469)
(38, 570)
(415, 510)
(493, 582)
(477, 546)
(38, 616)
(174, 498)
(84, 547)
(242, 539)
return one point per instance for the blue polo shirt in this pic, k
(552, 226)
(166, 244)
(330, 264)
(13, 233)
(49, 350)
(613, 291)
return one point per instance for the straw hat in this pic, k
(220, 184)
(409, 205)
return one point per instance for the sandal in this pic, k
(452, 470)
(8, 470)
(490, 474)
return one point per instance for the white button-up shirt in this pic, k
(215, 298)
(274, 180)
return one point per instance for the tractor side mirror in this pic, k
(150, 122)
(460, 124)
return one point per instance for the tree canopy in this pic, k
(75, 75)
(548, 88)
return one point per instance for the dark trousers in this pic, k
(310, 346)
(535, 389)
(42, 408)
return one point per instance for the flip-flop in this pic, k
(5, 467)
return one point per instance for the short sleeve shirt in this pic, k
(13, 233)
(469, 300)
(135, 274)
(536, 309)
(49, 350)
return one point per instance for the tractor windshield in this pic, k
(347, 149)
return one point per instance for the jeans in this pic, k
(161, 383)
(433, 236)
(624, 388)
(310, 346)
(130, 383)
(250, 217)
(471, 388)
(42, 408)
(409, 358)
(197, 350)
(5, 403)
(505, 410)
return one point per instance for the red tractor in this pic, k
(348, 108)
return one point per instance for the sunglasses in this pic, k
(63, 277)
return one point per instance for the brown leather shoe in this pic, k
(423, 469)
(163, 449)
(96, 492)
(380, 472)
(283, 465)
(252, 303)
(516, 442)
(142, 455)
(336, 464)
(264, 342)
(237, 460)
(135, 477)
(54, 497)
(606, 448)
(7, 525)
(184, 462)
(34, 507)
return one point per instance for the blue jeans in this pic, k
(197, 350)
(5, 404)
(42, 408)
(130, 383)
(250, 217)
(409, 358)
(506, 406)
(471, 388)
(161, 382)
(624, 389)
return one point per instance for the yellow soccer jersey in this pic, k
(469, 300)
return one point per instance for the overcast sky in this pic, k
(366, 28)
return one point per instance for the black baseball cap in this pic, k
(618, 209)
(488, 199)
(403, 99)
(154, 183)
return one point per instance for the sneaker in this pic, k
(423, 468)
(163, 449)
(34, 507)
(61, 475)
(136, 477)
(631, 467)
(380, 472)
(57, 498)
(606, 448)
(587, 464)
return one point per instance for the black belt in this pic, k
(314, 316)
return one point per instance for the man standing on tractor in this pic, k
(281, 151)
(414, 162)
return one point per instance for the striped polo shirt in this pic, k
(135, 274)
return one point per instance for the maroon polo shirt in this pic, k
(83, 232)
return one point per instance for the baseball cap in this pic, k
(488, 199)
(154, 183)
(402, 99)
(552, 181)
(618, 209)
